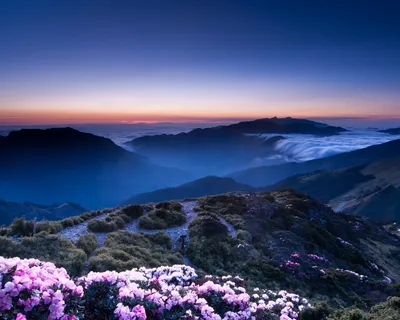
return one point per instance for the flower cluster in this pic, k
(357, 225)
(344, 242)
(30, 287)
(359, 276)
(316, 257)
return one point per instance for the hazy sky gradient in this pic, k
(128, 61)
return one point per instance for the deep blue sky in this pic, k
(123, 61)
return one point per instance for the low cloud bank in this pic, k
(301, 148)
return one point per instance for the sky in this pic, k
(198, 61)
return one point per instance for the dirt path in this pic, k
(174, 232)
(231, 229)
(73, 233)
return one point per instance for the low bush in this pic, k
(123, 250)
(46, 247)
(137, 294)
(85, 216)
(68, 222)
(162, 218)
(22, 227)
(125, 218)
(169, 205)
(133, 211)
(51, 227)
(101, 226)
(87, 242)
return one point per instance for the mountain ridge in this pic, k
(64, 164)
(265, 175)
(209, 185)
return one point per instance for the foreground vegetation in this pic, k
(283, 240)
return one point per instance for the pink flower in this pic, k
(139, 312)
(20, 316)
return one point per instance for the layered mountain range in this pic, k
(11, 210)
(63, 164)
(224, 148)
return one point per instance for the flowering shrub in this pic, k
(31, 289)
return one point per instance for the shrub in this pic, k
(22, 227)
(162, 218)
(85, 216)
(169, 205)
(4, 231)
(125, 218)
(68, 222)
(77, 220)
(124, 250)
(51, 227)
(101, 226)
(151, 223)
(119, 222)
(87, 242)
(136, 294)
(51, 248)
(133, 211)
(207, 225)
(244, 236)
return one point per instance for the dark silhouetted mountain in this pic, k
(11, 210)
(63, 164)
(222, 149)
(202, 187)
(394, 131)
(371, 190)
(266, 175)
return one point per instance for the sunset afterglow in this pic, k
(126, 64)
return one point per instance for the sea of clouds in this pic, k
(301, 147)
(295, 147)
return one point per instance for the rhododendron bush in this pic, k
(31, 289)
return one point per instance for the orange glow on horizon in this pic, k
(19, 117)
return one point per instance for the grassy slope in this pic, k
(270, 228)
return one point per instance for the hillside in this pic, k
(63, 164)
(277, 240)
(360, 190)
(222, 149)
(11, 210)
(267, 175)
(201, 187)
(391, 131)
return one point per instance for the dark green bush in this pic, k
(169, 205)
(101, 226)
(87, 242)
(22, 227)
(85, 216)
(125, 250)
(51, 227)
(125, 218)
(152, 223)
(52, 248)
(133, 211)
(120, 223)
(77, 220)
(162, 218)
(68, 222)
